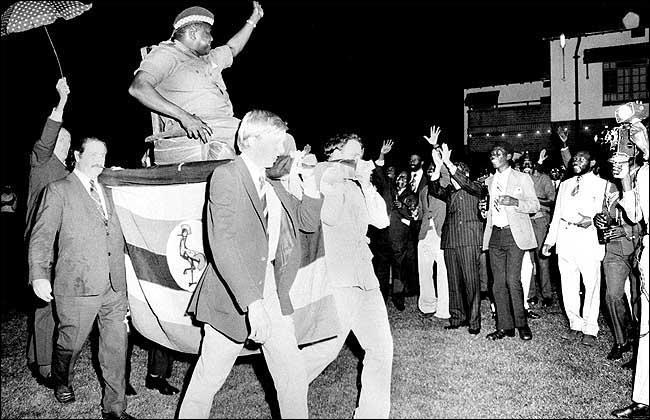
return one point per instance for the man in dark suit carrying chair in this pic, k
(77, 222)
(252, 228)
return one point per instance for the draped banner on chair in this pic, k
(160, 210)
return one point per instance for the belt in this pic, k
(501, 227)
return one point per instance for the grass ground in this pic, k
(437, 373)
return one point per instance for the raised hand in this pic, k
(562, 135)
(386, 146)
(258, 13)
(437, 157)
(62, 88)
(542, 156)
(432, 139)
(445, 153)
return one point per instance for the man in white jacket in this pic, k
(350, 204)
(573, 234)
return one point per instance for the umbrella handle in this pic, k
(53, 49)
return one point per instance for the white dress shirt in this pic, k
(85, 180)
(499, 185)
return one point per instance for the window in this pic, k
(625, 81)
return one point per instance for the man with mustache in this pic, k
(573, 234)
(77, 226)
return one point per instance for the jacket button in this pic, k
(109, 254)
(263, 259)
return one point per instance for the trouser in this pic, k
(541, 283)
(41, 337)
(640, 393)
(618, 268)
(571, 267)
(76, 318)
(218, 354)
(363, 313)
(382, 256)
(159, 361)
(464, 285)
(505, 263)
(434, 297)
(527, 272)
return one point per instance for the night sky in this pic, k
(383, 69)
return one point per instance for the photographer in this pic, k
(636, 204)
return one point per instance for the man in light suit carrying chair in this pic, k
(76, 226)
(252, 228)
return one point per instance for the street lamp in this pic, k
(562, 45)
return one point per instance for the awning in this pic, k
(617, 53)
(482, 99)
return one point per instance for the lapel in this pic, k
(88, 201)
(283, 196)
(250, 189)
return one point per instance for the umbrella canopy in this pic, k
(25, 15)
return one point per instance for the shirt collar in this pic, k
(255, 171)
(85, 179)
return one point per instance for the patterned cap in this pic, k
(192, 15)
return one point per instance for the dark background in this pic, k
(384, 69)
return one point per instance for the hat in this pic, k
(192, 15)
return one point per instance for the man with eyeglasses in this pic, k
(508, 235)
(574, 235)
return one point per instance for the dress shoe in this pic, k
(426, 315)
(588, 340)
(129, 390)
(474, 331)
(398, 301)
(547, 302)
(532, 315)
(111, 415)
(499, 334)
(617, 351)
(64, 394)
(632, 411)
(630, 364)
(455, 327)
(571, 334)
(525, 333)
(533, 301)
(160, 384)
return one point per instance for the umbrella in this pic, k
(25, 15)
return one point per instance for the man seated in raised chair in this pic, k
(181, 80)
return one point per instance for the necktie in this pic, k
(263, 185)
(576, 189)
(95, 196)
(413, 183)
(498, 190)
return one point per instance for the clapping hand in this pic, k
(542, 156)
(433, 136)
(446, 154)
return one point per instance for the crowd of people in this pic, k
(431, 230)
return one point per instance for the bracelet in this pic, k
(250, 22)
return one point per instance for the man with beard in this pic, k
(181, 79)
(508, 235)
(573, 233)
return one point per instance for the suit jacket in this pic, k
(431, 208)
(520, 186)
(398, 230)
(462, 226)
(238, 241)
(90, 253)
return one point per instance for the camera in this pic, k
(619, 147)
